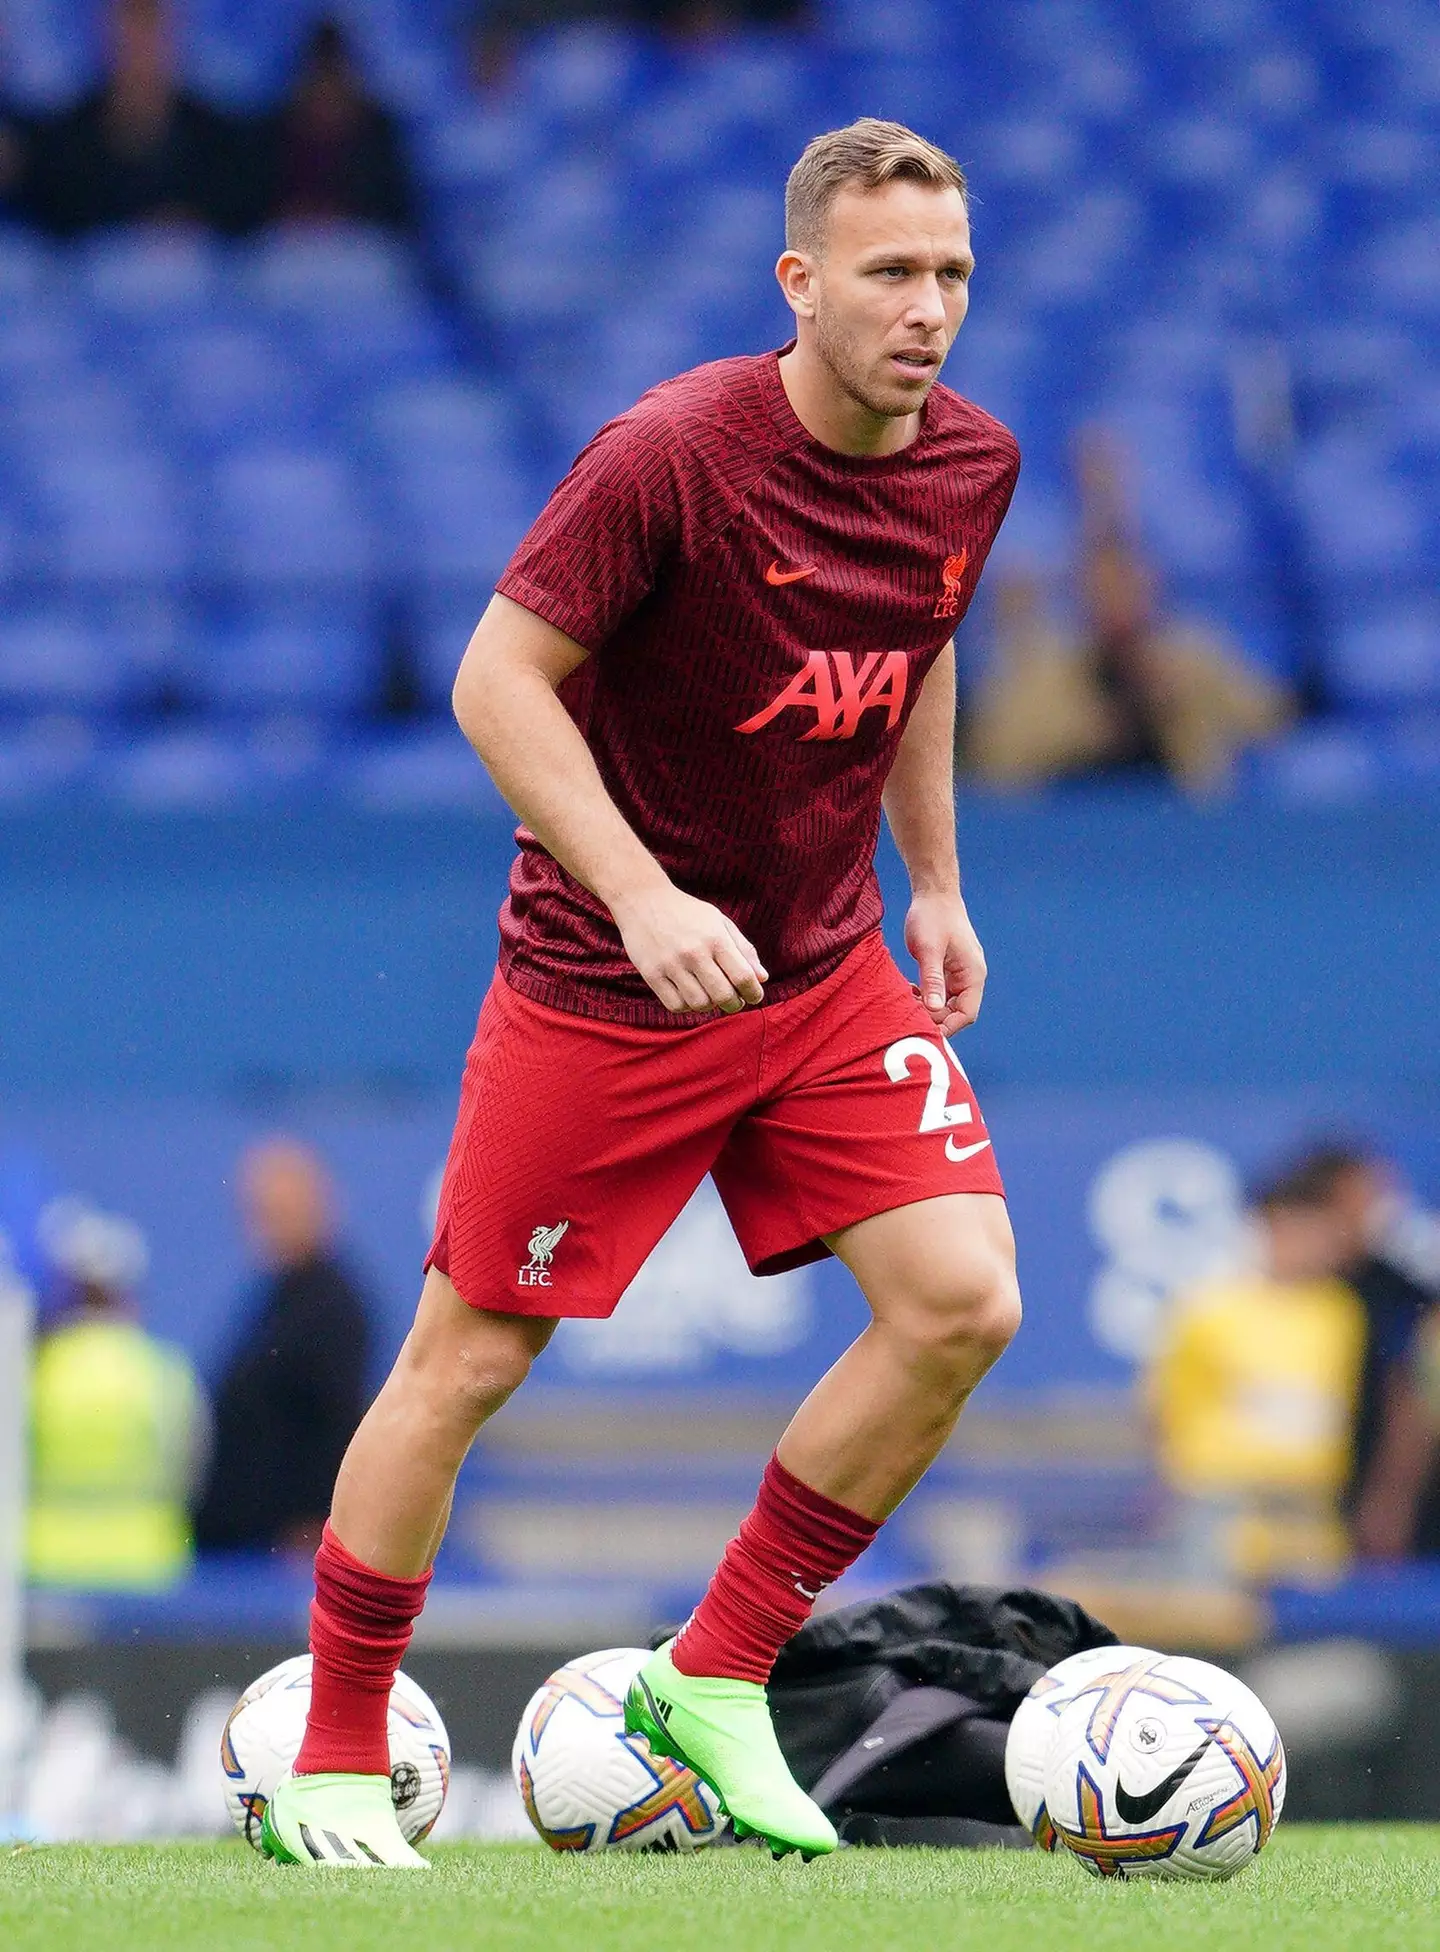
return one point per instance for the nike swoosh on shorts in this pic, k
(964, 1151)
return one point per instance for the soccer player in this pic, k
(726, 637)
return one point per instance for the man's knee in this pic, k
(469, 1359)
(963, 1318)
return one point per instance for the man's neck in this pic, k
(835, 418)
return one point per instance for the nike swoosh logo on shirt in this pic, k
(776, 575)
(957, 1153)
(1143, 1809)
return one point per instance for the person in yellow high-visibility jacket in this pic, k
(116, 1422)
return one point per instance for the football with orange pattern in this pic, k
(1164, 1767)
(587, 1784)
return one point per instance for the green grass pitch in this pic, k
(1321, 1889)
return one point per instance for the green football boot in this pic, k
(341, 1822)
(722, 1730)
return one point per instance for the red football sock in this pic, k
(360, 1626)
(793, 1545)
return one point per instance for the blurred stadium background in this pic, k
(254, 491)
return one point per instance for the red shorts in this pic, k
(578, 1141)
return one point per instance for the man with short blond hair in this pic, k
(725, 640)
(866, 156)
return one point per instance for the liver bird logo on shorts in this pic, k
(952, 571)
(543, 1242)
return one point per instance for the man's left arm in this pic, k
(920, 807)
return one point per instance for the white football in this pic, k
(264, 1732)
(1169, 1767)
(1027, 1746)
(587, 1785)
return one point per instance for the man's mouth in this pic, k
(916, 359)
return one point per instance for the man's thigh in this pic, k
(576, 1144)
(865, 1109)
(937, 1256)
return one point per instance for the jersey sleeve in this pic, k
(1001, 494)
(597, 547)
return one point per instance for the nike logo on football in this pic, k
(776, 575)
(959, 1152)
(1143, 1809)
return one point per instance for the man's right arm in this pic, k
(691, 955)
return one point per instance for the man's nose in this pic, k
(928, 307)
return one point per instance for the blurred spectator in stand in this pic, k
(1254, 1391)
(1037, 713)
(117, 1420)
(138, 148)
(494, 32)
(295, 1389)
(337, 154)
(1393, 1494)
(14, 166)
(1138, 692)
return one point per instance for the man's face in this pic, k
(1304, 1243)
(890, 291)
(1360, 1201)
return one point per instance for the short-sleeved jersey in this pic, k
(760, 612)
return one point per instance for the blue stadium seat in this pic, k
(1399, 271)
(441, 620)
(1353, 381)
(453, 522)
(52, 50)
(1081, 258)
(1360, 520)
(447, 415)
(1039, 531)
(235, 56)
(65, 410)
(997, 361)
(39, 341)
(28, 269)
(148, 279)
(51, 658)
(1386, 656)
(470, 148)
(377, 343)
(1378, 173)
(14, 545)
(113, 517)
(234, 383)
(430, 768)
(578, 79)
(181, 767)
(44, 753)
(287, 516)
(300, 653)
(401, 48)
(327, 269)
(914, 27)
(1331, 763)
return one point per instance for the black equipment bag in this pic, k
(893, 1712)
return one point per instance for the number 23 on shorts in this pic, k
(938, 1114)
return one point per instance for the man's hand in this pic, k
(952, 963)
(692, 956)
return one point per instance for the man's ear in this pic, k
(796, 274)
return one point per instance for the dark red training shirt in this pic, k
(760, 612)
